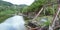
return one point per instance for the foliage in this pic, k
(5, 3)
(8, 9)
(35, 5)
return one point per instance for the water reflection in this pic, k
(13, 23)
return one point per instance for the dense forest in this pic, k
(50, 7)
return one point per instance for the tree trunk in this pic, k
(38, 14)
(55, 17)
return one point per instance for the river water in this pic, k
(13, 23)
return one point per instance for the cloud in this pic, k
(28, 2)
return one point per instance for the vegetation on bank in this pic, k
(7, 9)
(49, 9)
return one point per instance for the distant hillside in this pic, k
(23, 5)
(4, 3)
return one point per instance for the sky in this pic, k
(18, 2)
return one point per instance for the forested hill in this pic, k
(7, 9)
(5, 3)
(23, 5)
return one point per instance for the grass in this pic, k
(3, 18)
(5, 14)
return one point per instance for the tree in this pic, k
(52, 25)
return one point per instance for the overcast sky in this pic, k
(18, 2)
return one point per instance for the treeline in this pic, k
(7, 9)
(50, 7)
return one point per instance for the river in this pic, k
(13, 23)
